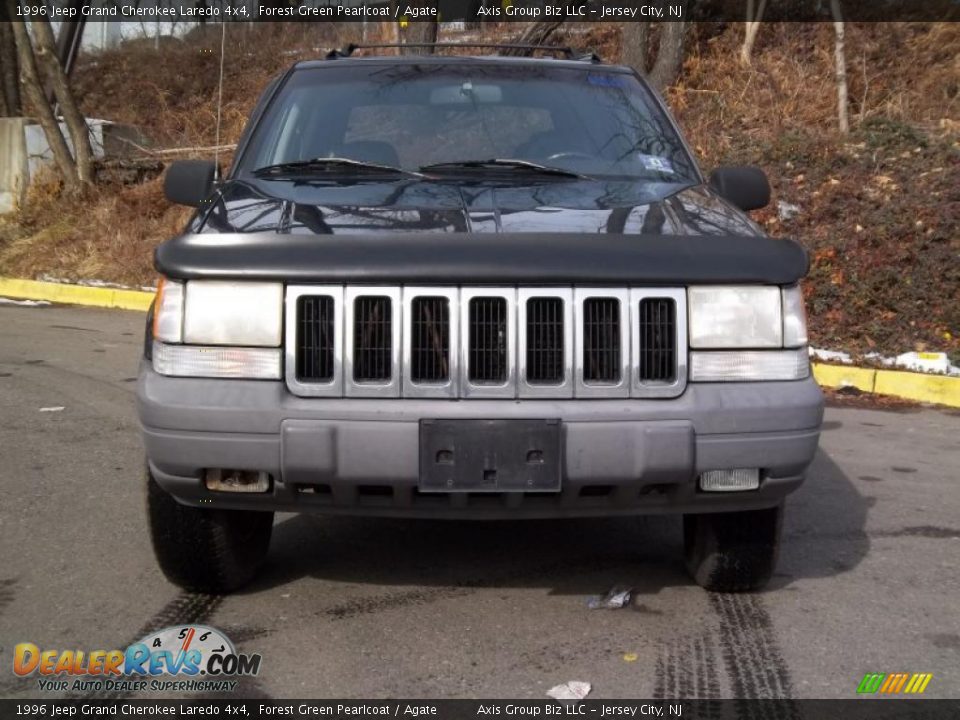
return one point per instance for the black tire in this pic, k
(733, 551)
(208, 551)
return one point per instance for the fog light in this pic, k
(730, 480)
(241, 481)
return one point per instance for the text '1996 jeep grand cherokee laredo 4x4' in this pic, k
(472, 288)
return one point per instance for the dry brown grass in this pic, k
(109, 233)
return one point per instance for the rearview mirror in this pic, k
(466, 93)
(189, 182)
(746, 186)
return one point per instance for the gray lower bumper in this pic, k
(361, 456)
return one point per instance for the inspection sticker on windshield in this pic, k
(653, 162)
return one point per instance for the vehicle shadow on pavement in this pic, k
(824, 535)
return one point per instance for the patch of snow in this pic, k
(23, 303)
(926, 362)
(831, 355)
(91, 282)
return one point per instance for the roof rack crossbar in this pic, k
(567, 52)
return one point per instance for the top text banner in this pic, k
(486, 11)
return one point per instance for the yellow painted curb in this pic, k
(938, 389)
(845, 376)
(75, 294)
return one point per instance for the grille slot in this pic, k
(372, 339)
(430, 340)
(657, 328)
(601, 340)
(315, 339)
(487, 355)
(545, 361)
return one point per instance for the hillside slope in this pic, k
(879, 209)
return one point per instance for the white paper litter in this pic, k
(614, 599)
(56, 408)
(23, 303)
(573, 690)
(786, 210)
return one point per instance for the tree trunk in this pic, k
(9, 67)
(46, 53)
(750, 30)
(33, 89)
(635, 44)
(841, 67)
(420, 31)
(666, 69)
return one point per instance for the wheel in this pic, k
(732, 551)
(209, 551)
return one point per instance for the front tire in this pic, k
(206, 550)
(732, 551)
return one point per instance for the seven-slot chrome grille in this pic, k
(476, 342)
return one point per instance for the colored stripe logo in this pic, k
(894, 683)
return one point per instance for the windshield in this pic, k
(589, 122)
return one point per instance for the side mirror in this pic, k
(189, 182)
(746, 187)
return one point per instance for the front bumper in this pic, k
(361, 456)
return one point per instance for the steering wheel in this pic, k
(570, 154)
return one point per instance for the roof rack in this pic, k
(567, 52)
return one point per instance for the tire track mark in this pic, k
(185, 609)
(752, 657)
(6, 592)
(687, 668)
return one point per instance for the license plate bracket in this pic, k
(490, 455)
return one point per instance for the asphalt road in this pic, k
(867, 582)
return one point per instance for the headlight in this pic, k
(735, 317)
(213, 328)
(233, 313)
(794, 318)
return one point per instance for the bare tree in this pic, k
(46, 54)
(841, 66)
(33, 90)
(754, 17)
(10, 105)
(420, 30)
(538, 33)
(669, 58)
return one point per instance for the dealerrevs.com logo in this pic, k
(186, 658)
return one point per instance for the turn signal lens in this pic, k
(217, 362)
(794, 318)
(168, 311)
(747, 365)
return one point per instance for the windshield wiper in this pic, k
(500, 164)
(330, 165)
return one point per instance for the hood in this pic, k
(307, 207)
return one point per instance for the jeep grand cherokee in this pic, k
(472, 288)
